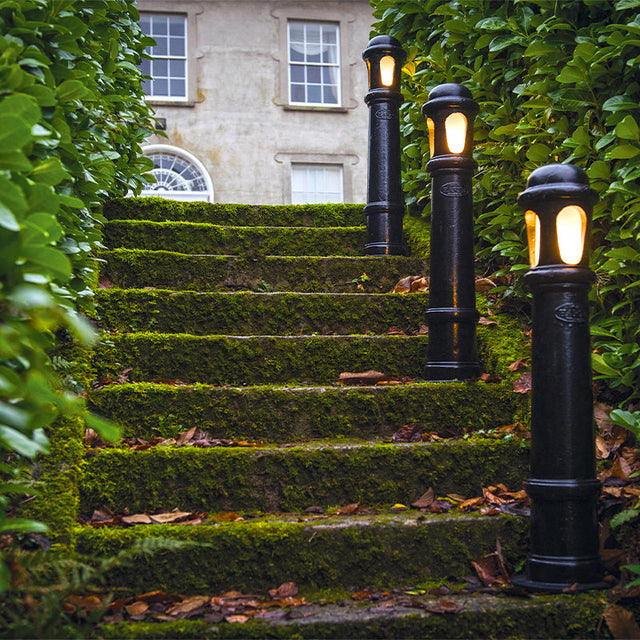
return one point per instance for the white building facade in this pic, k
(261, 101)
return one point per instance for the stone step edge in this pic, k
(315, 552)
(290, 413)
(293, 478)
(480, 616)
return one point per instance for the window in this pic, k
(314, 63)
(311, 184)
(168, 68)
(179, 175)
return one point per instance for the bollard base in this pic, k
(557, 587)
(451, 371)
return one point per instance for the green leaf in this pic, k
(21, 106)
(14, 133)
(600, 366)
(619, 103)
(106, 429)
(627, 128)
(623, 152)
(50, 260)
(538, 153)
(72, 90)
(571, 74)
(599, 170)
(21, 525)
(16, 441)
(14, 161)
(81, 328)
(49, 171)
(7, 219)
(492, 23)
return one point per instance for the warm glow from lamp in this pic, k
(432, 136)
(387, 67)
(456, 129)
(533, 236)
(571, 226)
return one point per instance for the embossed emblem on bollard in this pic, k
(453, 190)
(384, 114)
(571, 313)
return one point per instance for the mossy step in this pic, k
(480, 616)
(197, 237)
(135, 269)
(290, 414)
(385, 550)
(248, 313)
(292, 478)
(255, 359)
(308, 215)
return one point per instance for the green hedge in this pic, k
(556, 81)
(72, 117)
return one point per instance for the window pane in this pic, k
(178, 88)
(329, 95)
(296, 55)
(161, 87)
(176, 47)
(176, 26)
(297, 73)
(329, 34)
(160, 68)
(177, 68)
(145, 67)
(313, 33)
(161, 48)
(296, 32)
(314, 93)
(159, 25)
(297, 93)
(314, 74)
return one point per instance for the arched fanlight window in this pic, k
(179, 175)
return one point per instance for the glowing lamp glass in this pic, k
(387, 67)
(533, 237)
(456, 130)
(571, 227)
(432, 136)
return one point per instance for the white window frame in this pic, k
(317, 75)
(317, 173)
(168, 57)
(194, 164)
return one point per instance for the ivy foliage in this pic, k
(72, 117)
(556, 81)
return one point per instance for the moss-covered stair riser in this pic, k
(294, 478)
(162, 210)
(194, 237)
(243, 330)
(321, 553)
(291, 414)
(137, 268)
(250, 313)
(256, 359)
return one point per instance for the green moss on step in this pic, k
(355, 552)
(293, 478)
(132, 268)
(257, 359)
(162, 209)
(244, 313)
(280, 414)
(192, 237)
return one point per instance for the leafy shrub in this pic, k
(72, 117)
(556, 81)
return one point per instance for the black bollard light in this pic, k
(451, 316)
(564, 546)
(385, 201)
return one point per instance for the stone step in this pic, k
(470, 616)
(136, 269)
(249, 360)
(162, 209)
(293, 478)
(248, 313)
(292, 414)
(314, 551)
(202, 238)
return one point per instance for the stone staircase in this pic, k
(238, 321)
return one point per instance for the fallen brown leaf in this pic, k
(188, 605)
(370, 377)
(136, 608)
(408, 433)
(518, 364)
(523, 383)
(425, 500)
(348, 509)
(621, 623)
(286, 590)
(487, 322)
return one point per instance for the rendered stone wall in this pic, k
(237, 121)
